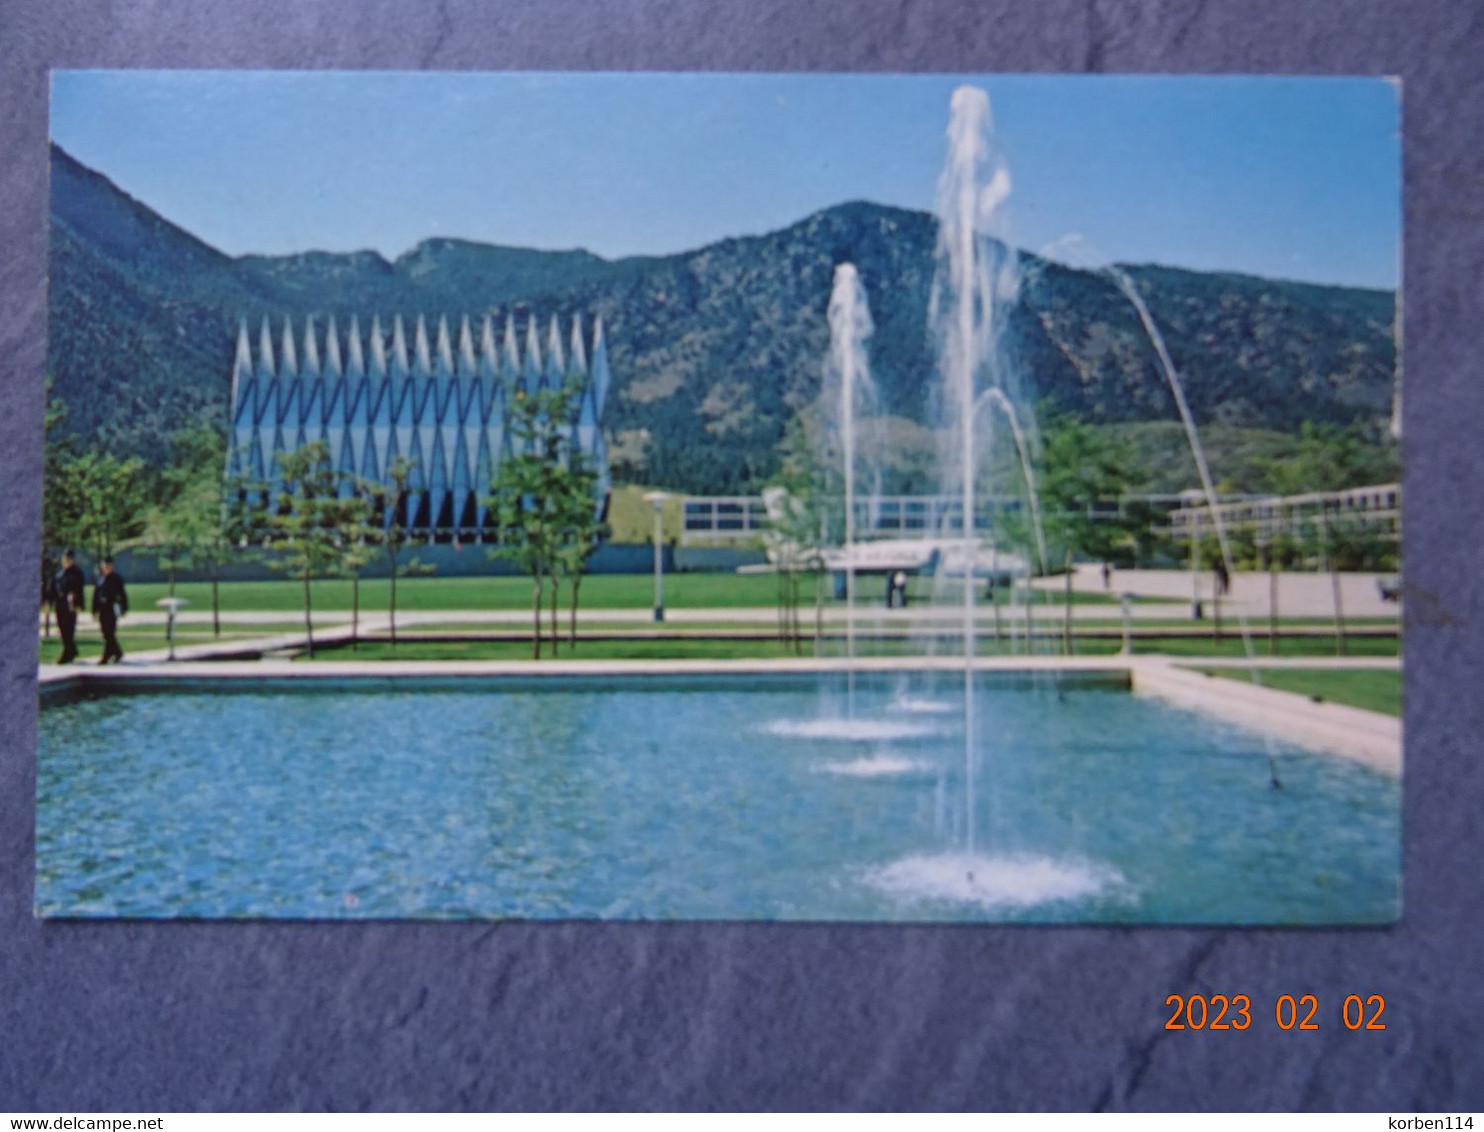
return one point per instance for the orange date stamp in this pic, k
(1234, 1012)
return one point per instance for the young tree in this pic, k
(1328, 542)
(583, 530)
(527, 537)
(351, 515)
(804, 516)
(797, 526)
(1280, 551)
(302, 528)
(392, 509)
(533, 494)
(1346, 543)
(237, 535)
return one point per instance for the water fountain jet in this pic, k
(850, 326)
(965, 308)
(1177, 390)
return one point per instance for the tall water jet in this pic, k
(972, 276)
(847, 369)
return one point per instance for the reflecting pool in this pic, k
(728, 798)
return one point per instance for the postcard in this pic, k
(932, 498)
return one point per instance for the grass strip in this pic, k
(1372, 689)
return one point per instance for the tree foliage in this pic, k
(1329, 457)
(583, 527)
(60, 502)
(303, 525)
(1079, 470)
(189, 528)
(805, 515)
(110, 501)
(542, 496)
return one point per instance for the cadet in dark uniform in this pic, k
(110, 602)
(67, 598)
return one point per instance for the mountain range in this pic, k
(714, 350)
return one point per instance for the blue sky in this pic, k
(1298, 178)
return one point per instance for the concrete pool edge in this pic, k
(1369, 738)
(1366, 737)
(186, 671)
(58, 686)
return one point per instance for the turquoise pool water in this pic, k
(725, 799)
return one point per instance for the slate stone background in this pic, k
(130, 1016)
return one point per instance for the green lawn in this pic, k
(1231, 645)
(599, 591)
(1373, 690)
(586, 650)
(1258, 626)
(683, 648)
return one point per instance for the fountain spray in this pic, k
(964, 308)
(850, 326)
(975, 284)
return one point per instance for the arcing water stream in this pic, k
(1177, 390)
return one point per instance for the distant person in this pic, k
(66, 596)
(899, 584)
(1107, 576)
(1223, 578)
(110, 602)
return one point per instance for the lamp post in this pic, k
(171, 605)
(656, 499)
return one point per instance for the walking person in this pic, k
(110, 602)
(67, 598)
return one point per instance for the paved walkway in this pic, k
(1299, 594)
(223, 649)
(768, 615)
